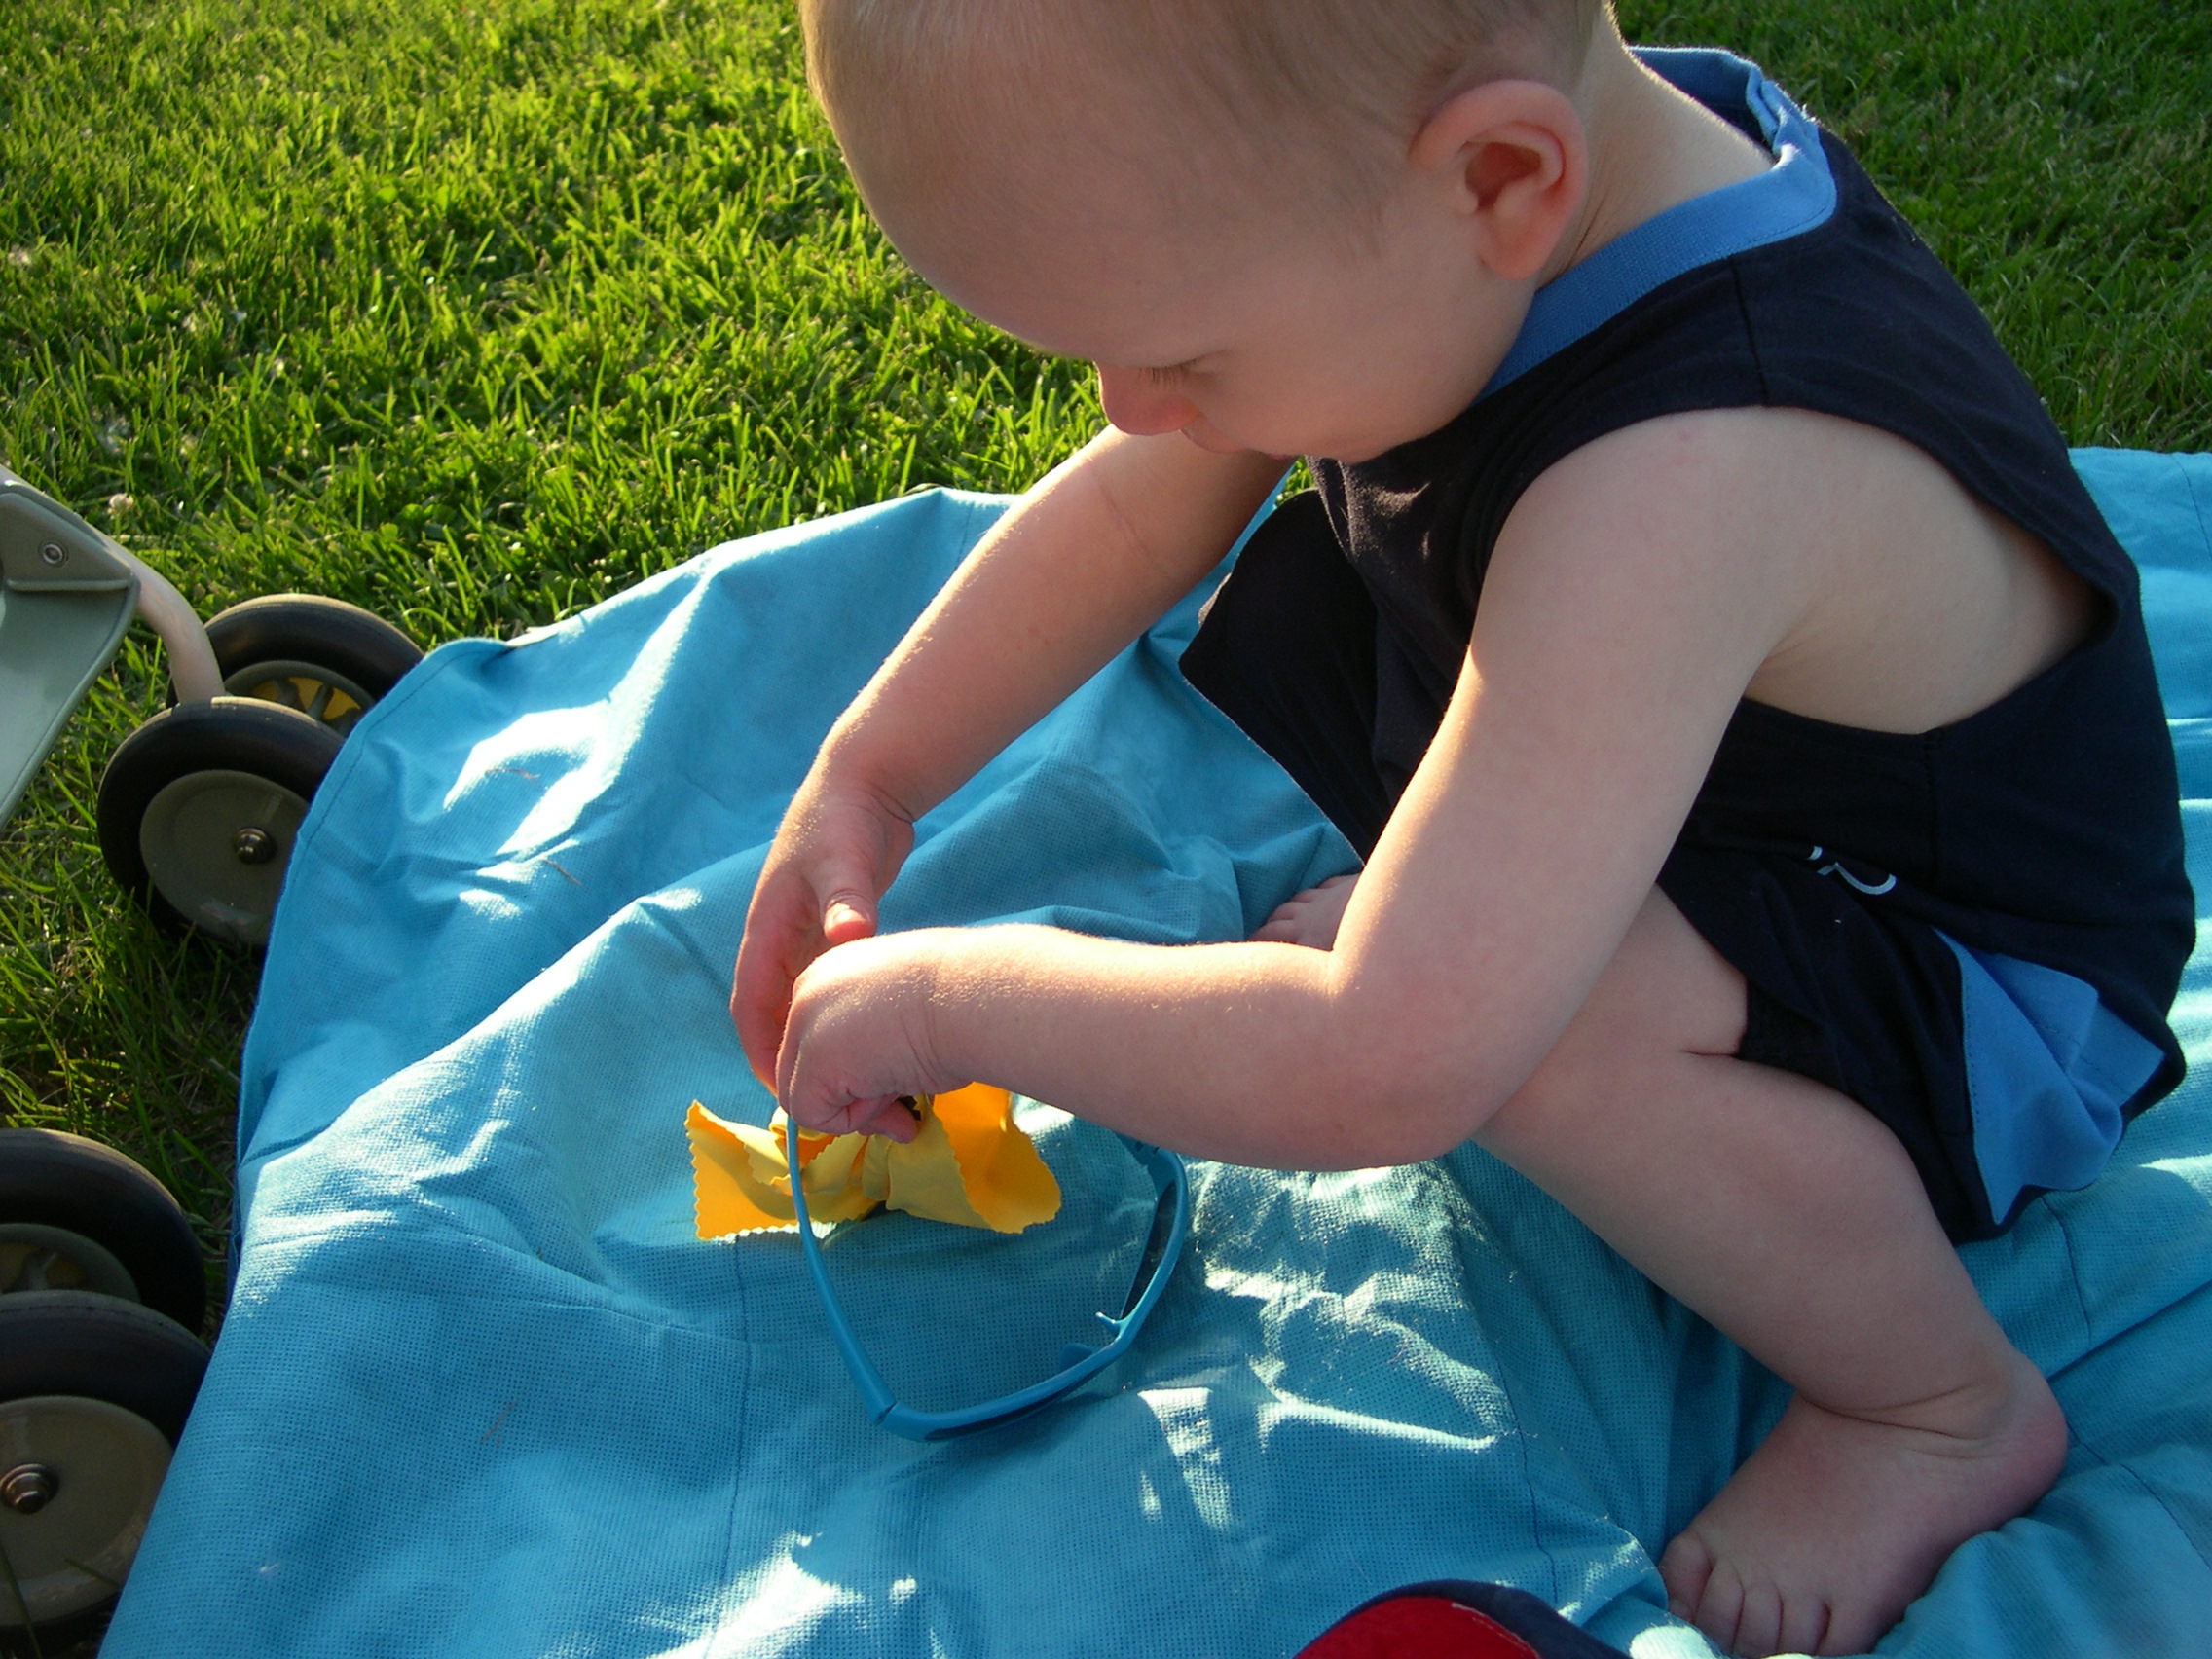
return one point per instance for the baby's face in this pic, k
(1246, 315)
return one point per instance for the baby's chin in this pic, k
(1203, 433)
(1214, 441)
(1347, 447)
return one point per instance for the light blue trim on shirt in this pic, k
(2048, 1070)
(1795, 195)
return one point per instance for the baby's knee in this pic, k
(1665, 994)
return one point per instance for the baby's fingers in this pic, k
(887, 1115)
(780, 941)
(848, 916)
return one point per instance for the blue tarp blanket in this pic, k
(482, 1391)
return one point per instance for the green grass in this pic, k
(478, 313)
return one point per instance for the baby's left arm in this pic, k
(1634, 592)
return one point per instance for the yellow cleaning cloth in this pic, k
(969, 1165)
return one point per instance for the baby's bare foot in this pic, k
(1836, 1522)
(1310, 918)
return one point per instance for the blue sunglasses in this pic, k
(1164, 1242)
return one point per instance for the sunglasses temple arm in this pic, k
(877, 1397)
(1168, 1176)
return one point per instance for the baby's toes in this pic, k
(1684, 1568)
(1804, 1624)
(1720, 1610)
(1758, 1626)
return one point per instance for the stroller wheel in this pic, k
(326, 658)
(76, 1215)
(199, 808)
(94, 1393)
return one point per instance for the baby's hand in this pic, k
(1312, 917)
(857, 1038)
(834, 855)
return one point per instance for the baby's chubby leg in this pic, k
(1791, 1219)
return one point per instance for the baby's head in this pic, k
(1291, 224)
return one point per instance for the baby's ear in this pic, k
(1508, 156)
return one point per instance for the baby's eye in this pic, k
(1162, 379)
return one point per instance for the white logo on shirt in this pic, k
(1835, 866)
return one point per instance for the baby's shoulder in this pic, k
(1896, 599)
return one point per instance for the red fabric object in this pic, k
(1417, 1627)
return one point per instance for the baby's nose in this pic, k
(1136, 403)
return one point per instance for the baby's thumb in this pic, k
(847, 914)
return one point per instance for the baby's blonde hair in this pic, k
(1353, 79)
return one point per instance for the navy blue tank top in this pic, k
(2047, 826)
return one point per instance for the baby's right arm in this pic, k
(1090, 558)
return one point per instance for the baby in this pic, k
(1743, 716)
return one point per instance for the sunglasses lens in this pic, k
(1078, 1361)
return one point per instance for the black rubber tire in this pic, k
(229, 734)
(71, 1342)
(64, 1180)
(306, 627)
